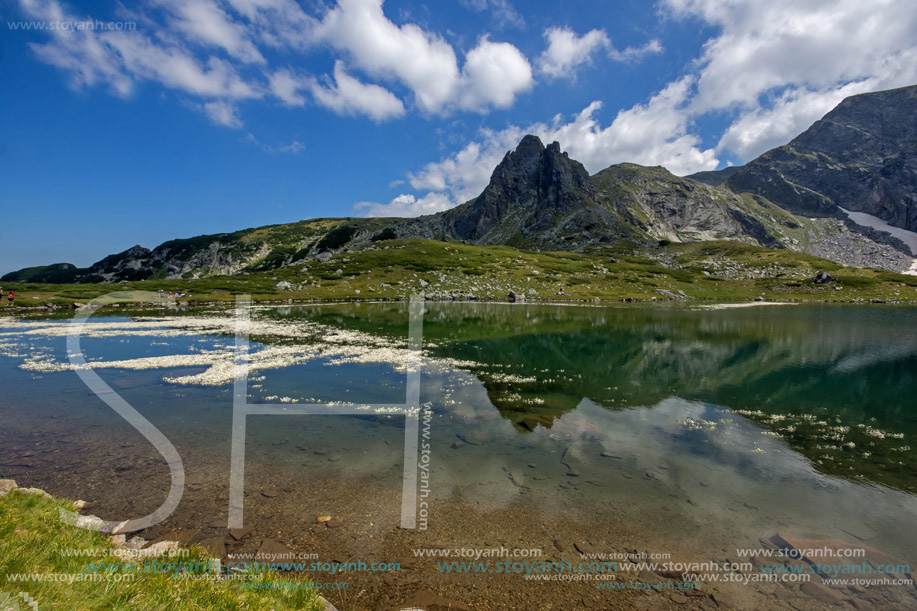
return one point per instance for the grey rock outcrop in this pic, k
(861, 156)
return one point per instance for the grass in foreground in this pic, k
(33, 540)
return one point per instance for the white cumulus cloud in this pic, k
(212, 49)
(566, 50)
(348, 96)
(493, 74)
(407, 205)
(423, 61)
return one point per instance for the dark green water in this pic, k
(821, 377)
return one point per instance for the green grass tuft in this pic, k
(33, 540)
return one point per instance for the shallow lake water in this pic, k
(690, 431)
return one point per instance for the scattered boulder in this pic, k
(272, 550)
(516, 297)
(668, 294)
(820, 592)
(283, 285)
(214, 547)
(327, 603)
(240, 533)
(90, 523)
(823, 278)
(7, 486)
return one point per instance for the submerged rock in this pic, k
(429, 601)
(516, 479)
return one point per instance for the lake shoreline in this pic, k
(572, 302)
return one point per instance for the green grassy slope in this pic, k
(397, 269)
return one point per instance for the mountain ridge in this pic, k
(539, 198)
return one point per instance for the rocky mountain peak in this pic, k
(530, 147)
(533, 185)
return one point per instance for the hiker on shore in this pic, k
(12, 294)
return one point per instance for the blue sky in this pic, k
(127, 123)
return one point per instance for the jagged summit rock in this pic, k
(530, 191)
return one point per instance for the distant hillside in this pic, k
(244, 251)
(714, 178)
(56, 273)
